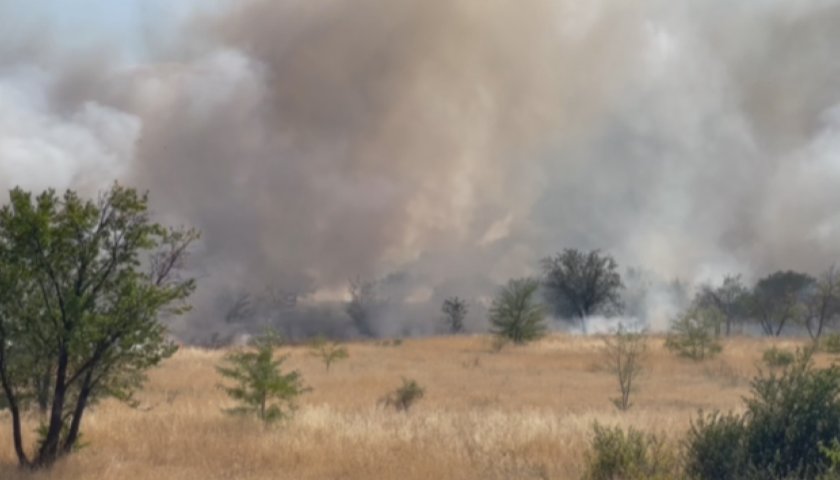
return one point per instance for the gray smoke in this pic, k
(452, 143)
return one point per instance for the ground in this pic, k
(522, 413)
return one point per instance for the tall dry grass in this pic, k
(525, 412)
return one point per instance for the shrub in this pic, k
(790, 415)
(631, 455)
(692, 335)
(404, 396)
(832, 454)
(831, 343)
(261, 388)
(623, 353)
(328, 352)
(789, 419)
(775, 357)
(714, 447)
(515, 314)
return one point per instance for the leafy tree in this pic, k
(692, 335)
(623, 355)
(822, 302)
(779, 299)
(454, 311)
(83, 285)
(515, 314)
(581, 284)
(363, 306)
(328, 352)
(260, 386)
(729, 298)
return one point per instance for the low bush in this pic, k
(830, 343)
(775, 357)
(631, 455)
(404, 396)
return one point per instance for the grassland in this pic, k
(522, 413)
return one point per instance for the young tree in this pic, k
(260, 386)
(822, 302)
(328, 352)
(581, 284)
(515, 314)
(623, 355)
(692, 335)
(778, 299)
(77, 305)
(729, 298)
(454, 311)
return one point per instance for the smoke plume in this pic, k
(445, 146)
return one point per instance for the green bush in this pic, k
(404, 396)
(830, 343)
(516, 315)
(789, 419)
(832, 454)
(790, 415)
(714, 447)
(328, 352)
(260, 386)
(632, 455)
(693, 335)
(776, 357)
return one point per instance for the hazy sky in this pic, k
(444, 144)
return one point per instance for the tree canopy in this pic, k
(777, 299)
(579, 284)
(83, 286)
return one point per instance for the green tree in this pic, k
(515, 314)
(454, 311)
(579, 284)
(328, 352)
(779, 298)
(260, 387)
(729, 298)
(83, 285)
(822, 302)
(693, 334)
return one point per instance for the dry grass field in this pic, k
(522, 413)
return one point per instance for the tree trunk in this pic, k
(17, 433)
(78, 411)
(48, 453)
(781, 326)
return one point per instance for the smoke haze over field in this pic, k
(446, 145)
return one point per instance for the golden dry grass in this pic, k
(525, 412)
